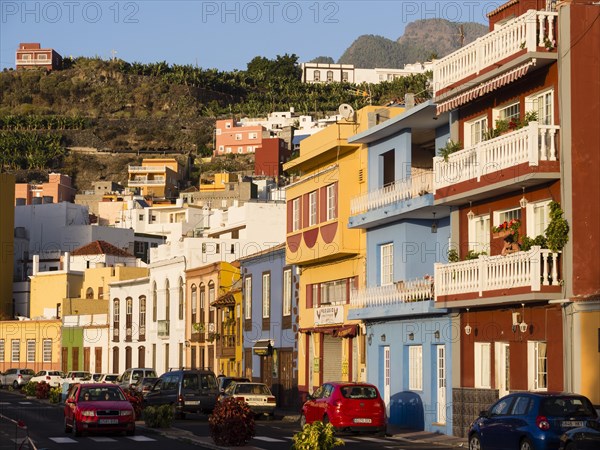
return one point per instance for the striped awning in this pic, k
(485, 87)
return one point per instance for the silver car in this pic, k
(16, 377)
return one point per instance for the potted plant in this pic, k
(449, 148)
(557, 233)
(506, 228)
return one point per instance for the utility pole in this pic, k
(461, 33)
(113, 52)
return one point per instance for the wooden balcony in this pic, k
(533, 271)
(226, 346)
(528, 33)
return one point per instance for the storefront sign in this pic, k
(329, 315)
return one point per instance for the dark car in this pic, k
(187, 390)
(144, 385)
(224, 381)
(529, 420)
(96, 407)
(584, 438)
(347, 406)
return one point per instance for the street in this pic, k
(44, 425)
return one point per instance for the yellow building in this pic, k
(205, 324)
(7, 230)
(331, 257)
(31, 344)
(229, 346)
(156, 177)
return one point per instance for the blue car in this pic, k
(529, 421)
(585, 438)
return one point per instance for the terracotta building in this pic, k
(33, 56)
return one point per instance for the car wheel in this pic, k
(302, 420)
(474, 442)
(130, 432)
(526, 444)
(15, 385)
(67, 427)
(76, 430)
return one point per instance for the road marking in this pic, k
(4, 403)
(371, 439)
(102, 439)
(268, 439)
(25, 403)
(140, 438)
(63, 440)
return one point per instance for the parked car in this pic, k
(224, 381)
(108, 378)
(52, 377)
(144, 385)
(96, 376)
(584, 438)
(78, 376)
(347, 406)
(189, 391)
(257, 395)
(131, 376)
(16, 377)
(529, 420)
(98, 407)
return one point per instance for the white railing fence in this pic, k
(416, 290)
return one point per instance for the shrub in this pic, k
(42, 390)
(232, 423)
(135, 398)
(159, 416)
(316, 435)
(557, 233)
(54, 394)
(30, 388)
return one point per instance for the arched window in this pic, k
(128, 353)
(89, 293)
(115, 368)
(180, 298)
(142, 333)
(167, 300)
(154, 301)
(194, 303)
(141, 356)
(116, 312)
(128, 318)
(211, 299)
(202, 317)
(330, 75)
(317, 75)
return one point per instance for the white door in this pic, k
(441, 384)
(502, 368)
(386, 378)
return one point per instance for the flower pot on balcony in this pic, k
(502, 234)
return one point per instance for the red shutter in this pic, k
(290, 215)
(323, 204)
(309, 296)
(336, 202)
(305, 211)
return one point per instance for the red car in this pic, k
(347, 406)
(98, 407)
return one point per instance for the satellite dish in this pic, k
(346, 111)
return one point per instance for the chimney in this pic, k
(36, 265)
(66, 262)
(409, 100)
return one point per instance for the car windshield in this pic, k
(252, 389)
(359, 392)
(27, 372)
(567, 406)
(101, 394)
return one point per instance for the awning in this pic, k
(340, 331)
(485, 88)
(263, 347)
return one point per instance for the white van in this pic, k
(131, 376)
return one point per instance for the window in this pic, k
(538, 218)
(388, 168)
(15, 351)
(202, 302)
(537, 365)
(482, 365)
(89, 293)
(248, 298)
(42, 56)
(180, 298)
(345, 76)
(479, 233)
(415, 367)
(330, 75)
(128, 317)
(475, 131)
(509, 112)
(219, 131)
(228, 125)
(333, 292)
(228, 150)
(26, 56)
(387, 264)
(221, 148)
(543, 104)
(167, 300)
(312, 209)
(240, 149)
(316, 75)
(521, 406)
(296, 214)
(252, 135)
(46, 351)
(194, 303)
(331, 201)
(266, 295)
(142, 332)
(30, 350)
(211, 293)
(501, 408)
(2, 350)
(116, 319)
(507, 216)
(287, 292)
(238, 136)
(154, 301)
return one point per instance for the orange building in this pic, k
(32, 56)
(240, 140)
(58, 189)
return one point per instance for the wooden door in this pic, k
(98, 360)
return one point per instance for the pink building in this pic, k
(57, 189)
(239, 140)
(32, 56)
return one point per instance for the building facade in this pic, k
(231, 138)
(33, 56)
(156, 177)
(57, 189)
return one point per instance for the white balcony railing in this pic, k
(163, 328)
(529, 31)
(416, 290)
(534, 268)
(159, 182)
(147, 169)
(415, 186)
(531, 144)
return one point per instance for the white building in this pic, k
(336, 73)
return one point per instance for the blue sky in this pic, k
(214, 34)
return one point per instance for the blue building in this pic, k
(408, 345)
(270, 326)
